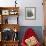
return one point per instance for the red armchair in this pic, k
(29, 36)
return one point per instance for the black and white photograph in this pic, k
(30, 13)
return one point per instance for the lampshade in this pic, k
(15, 30)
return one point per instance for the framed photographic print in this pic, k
(13, 20)
(5, 12)
(7, 34)
(30, 13)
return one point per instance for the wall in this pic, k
(39, 13)
(27, 3)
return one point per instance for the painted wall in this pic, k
(26, 3)
(39, 13)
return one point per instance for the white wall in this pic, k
(27, 3)
(39, 13)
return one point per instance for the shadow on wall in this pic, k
(37, 29)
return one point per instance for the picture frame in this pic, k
(13, 12)
(30, 13)
(13, 20)
(5, 20)
(7, 34)
(5, 12)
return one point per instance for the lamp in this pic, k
(15, 30)
(15, 3)
(15, 37)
